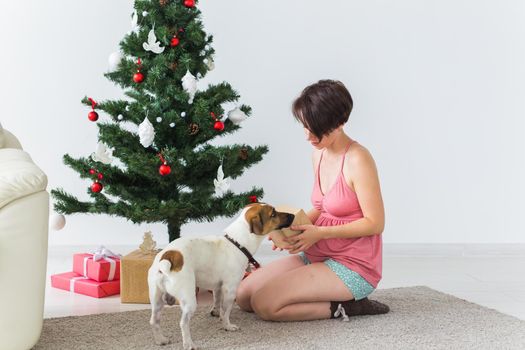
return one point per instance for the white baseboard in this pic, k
(389, 250)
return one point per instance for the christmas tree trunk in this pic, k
(154, 161)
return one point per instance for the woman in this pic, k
(340, 257)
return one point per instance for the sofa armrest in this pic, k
(19, 176)
(8, 140)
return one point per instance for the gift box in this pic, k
(105, 269)
(134, 276)
(76, 283)
(300, 219)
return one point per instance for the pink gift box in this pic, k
(105, 269)
(82, 285)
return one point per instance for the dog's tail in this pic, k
(164, 267)
(171, 261)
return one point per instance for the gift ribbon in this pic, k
(103, 252)
(112, 266)
(107, 255)
(73, 280)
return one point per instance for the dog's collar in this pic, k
(244, 250)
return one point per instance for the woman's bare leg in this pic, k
(302, 294)
(261, 276)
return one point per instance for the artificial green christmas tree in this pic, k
(155, 162)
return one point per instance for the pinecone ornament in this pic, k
(243, 153)
(163, 2)
(194, 129)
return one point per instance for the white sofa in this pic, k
(24, 216)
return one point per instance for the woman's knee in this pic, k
(262, 306)
(243, 297)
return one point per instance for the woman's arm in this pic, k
(313, 215)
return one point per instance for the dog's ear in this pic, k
(254, 219)
(256, 224)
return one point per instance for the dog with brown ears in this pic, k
(215, 262)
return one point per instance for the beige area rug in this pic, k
(420, 318)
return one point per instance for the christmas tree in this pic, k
(154, 161)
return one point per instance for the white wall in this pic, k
(438, 88)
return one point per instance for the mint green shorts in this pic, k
(357, 285)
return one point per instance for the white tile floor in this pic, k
(489, 275)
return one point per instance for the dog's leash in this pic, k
(245, 251)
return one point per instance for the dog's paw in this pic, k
(231, 328)
(215, 313)
(162, 340)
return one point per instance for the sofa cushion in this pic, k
(19, 176)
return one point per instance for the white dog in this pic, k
(214, 263)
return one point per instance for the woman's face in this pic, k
(326, 140)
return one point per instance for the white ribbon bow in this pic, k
(106, 254)
(103, 252)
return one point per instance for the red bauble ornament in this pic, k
(96, 187)
(100, 176)
(164, 169)
(138, 77)
(253, 199)
(219, 126)
(92, 171)
(174, 41)
(93, 116)
(189, 3)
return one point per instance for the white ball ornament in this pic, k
(120, 117)
(159, 119)
(172, 125)
(57, 221)
(183, 114)
(114, 60)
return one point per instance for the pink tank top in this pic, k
(339, 206)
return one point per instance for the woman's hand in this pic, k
(279, 240)
(299, 243)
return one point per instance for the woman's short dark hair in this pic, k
(322, 107)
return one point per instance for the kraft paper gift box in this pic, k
(79, 284)
(300, 219)
(134, 276)
(105, 269)
(134, 272)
